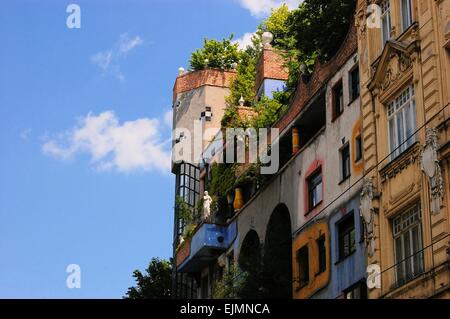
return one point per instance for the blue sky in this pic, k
(83, 136)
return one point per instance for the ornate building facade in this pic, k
(405, 96)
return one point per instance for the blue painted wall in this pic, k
(269, 86)
(349, 271)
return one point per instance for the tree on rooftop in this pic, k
(320, 26)
(215, 54)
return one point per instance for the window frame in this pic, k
(385, 14)
(187, 176)
(353, 71)
(411, 223)
(399, 107)
(345, 164)
(335, 111)
(303, 266)
(321, 254)
(315, 185)
(358, 148)
(360, 286)
(342, 233)
(402, 14)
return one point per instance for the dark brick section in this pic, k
(270, 66)
(196, 79)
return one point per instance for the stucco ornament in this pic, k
(367, 212)
(207, 200)
(431, 168)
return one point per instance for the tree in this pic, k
(156, 283)
(215, 54)
(320, 26)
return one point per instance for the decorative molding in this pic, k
(397, 165)
(367, 212)
(394, 66)
(431, 168)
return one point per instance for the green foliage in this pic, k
(231, 118)
(222, 179)
(278, 24)
(230, 285)
(244, 83)
(269, 110)
(215, 54)
(250, 176)
(155, 283)
(184, 211)
(320, 26)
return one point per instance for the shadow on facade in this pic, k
(277, 265)
(250, 263)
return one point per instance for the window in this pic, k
(354, 84)
(303, 266)
(338, 100)
(315, 189)
(321, 248)
(345, 162)
(358, 148)
(385, 21)
(346, 230)
(406, 14)
(408, 245)
(357, 291)
(188, 188)
(402, 122)
(189, 183)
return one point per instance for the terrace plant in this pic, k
(215, 54)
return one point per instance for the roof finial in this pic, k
(267, 38)
(241, 101)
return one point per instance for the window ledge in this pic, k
(312, 209)
(400, 159)
(344, 180)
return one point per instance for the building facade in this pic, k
(359, 205)
(405, 79)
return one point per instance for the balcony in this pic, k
(209, 241)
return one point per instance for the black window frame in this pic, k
(312, 184)
(360, 287)
(354, 84)
(303, 266)
(358, 148)
(338, 99)
(345, 162)
(345, 227)
(321, 254)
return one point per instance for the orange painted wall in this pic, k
(309, 237)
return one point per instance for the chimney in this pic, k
(271, 73)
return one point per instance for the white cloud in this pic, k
(102, 59)
(168, 119)
(108, 61)
(245, 40)
(25, 134)
(262, 7)
(130, 146)
(126, 43)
